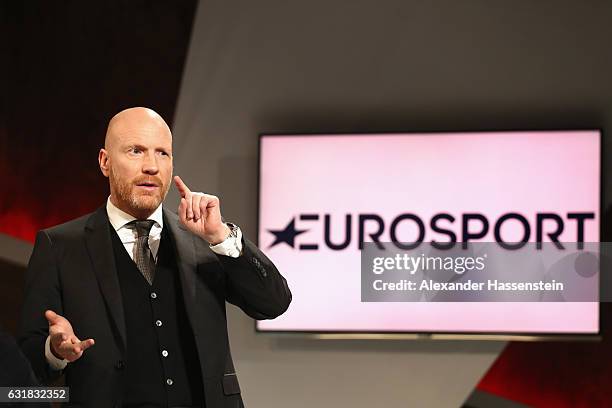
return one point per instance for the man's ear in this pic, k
(103, 161)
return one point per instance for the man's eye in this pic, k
(135, 150)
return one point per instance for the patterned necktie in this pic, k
(142, 253)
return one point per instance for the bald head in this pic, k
(137, 159)
(133, 120)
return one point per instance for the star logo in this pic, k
(286, 235)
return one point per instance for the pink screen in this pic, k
(424, 174)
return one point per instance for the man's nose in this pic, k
(149, 166)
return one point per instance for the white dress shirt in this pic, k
(119, 219)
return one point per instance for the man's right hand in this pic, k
(63, 343)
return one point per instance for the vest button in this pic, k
(153, 295)
(165, 353)
(158, 323)
(169, 381)
(120, 365)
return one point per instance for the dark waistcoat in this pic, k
(162, 366)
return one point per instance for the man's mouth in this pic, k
(148, 185)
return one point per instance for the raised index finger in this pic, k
(182, 187)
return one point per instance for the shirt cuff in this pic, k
(53, 361)
(232, 246)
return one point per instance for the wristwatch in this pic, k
(233, 230)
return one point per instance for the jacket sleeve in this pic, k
(254, 284)
(42, 292)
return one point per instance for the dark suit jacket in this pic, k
(72, 272)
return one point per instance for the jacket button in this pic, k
(120, 365)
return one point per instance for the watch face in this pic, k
(233, 230)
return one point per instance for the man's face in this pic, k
(139, 167)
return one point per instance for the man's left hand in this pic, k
(200, 213)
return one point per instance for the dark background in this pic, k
(69, 67)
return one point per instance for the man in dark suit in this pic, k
(129, 301)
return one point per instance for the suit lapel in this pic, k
(99, 246)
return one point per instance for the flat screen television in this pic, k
(320, 195)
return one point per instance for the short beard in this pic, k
(135, 205)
